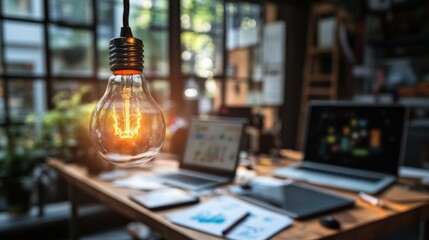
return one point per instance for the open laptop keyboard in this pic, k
(188, 179)
(361, 178)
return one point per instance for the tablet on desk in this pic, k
(164, 198)
(296, 200)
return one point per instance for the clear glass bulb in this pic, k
(127, 127)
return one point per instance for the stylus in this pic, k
(373, 200)
(238, 222)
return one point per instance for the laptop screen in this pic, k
(367, 137)
(213, 144)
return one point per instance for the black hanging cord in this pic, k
(126, 30)
(126, 13)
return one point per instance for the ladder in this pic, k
(321, 66)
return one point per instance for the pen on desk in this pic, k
(373, 200)
(238, 222)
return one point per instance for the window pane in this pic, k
(243, 22)
(155, 52)
(66, 92)
(201, 54)
(160, 91)
(109, 24)
(107, 16)
(201, 37)
(75, 11)
(70, 87)
(1, 59)
(103, 57)
(71, 51)
(149, 13)
(202, 15)
(23, 8)
(148, 21)
(3, 141)
(2, 103)
(24, 48)
(26, 97)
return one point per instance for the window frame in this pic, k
(175, 76)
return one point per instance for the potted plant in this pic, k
(64, 130)
(17, 160)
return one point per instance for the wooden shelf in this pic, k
(315, 73)
(322, 50)
(323, 8)
(321, 78)
(319, 91)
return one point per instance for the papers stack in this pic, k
(223, 217)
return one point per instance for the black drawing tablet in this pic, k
(296, 200)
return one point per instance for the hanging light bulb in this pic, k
(127, 127)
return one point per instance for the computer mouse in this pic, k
(246, 186)
(330, 222)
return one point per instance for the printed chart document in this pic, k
(219, 214)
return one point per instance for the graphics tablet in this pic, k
(296, 200)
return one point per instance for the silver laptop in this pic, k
(211, 154)
(351, 146)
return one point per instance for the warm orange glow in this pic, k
(127, 126)
(126, 72)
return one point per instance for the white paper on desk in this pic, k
(139, 182)
(112, 175)
(261, 224)
(268, 181)
(212, 216)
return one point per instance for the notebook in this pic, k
(351, 146)
(211, 154)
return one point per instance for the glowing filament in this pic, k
(128, 126)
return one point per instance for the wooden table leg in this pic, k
(424, 230)
(73, 221)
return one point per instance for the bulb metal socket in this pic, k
(126, 53)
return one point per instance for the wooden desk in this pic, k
(360, 222)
